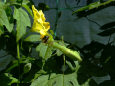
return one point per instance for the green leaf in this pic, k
(26, 6)
(4, 19)
(33, 38)
(25, 2)
(12, 1)
(71, 80)
(58, 52)
(7, 79)
(41, 81)
(28, 9)
(15, 2)
(44, 51)
(4, 60)
(23, 21)
(56, 80)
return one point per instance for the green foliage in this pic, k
(33, 38)
(23, 21)
(56, 80)
(44, 50)
(4, 19)
(28, 9)
(27, 61)
(7, 80)
(4, 61)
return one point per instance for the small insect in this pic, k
(45, 39)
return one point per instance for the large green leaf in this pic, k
(44, 50)
(56, 80)
(4, 19)
(41, 81)
(23, 21)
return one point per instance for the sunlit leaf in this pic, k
(25, 2)
(58, 52)
(28, 9)
(23, 21)
(56, 80)
(41, 81)
(4, 19)
(44, 50)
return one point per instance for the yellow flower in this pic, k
(39, 24)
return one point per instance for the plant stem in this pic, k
(18, 51)
(64, 68)
(18, 57)
(72, 54)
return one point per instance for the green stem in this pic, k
(18, 56)
(18, 51)
(72, 54)
(93, 5)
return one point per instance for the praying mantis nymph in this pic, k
(42, 27)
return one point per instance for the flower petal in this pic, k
(46, 25)
(42, 16)
(37, 26)
(38, 15)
